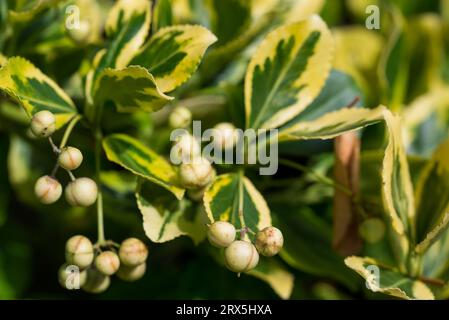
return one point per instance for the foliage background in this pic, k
(32, 237)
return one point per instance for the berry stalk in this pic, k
(100, 218)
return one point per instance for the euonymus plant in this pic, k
(102, 86)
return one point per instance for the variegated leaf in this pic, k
(333, 124)
(425, 121)
(24, 11)
(287, 72)
(388, 281)
(127, 26)
(360, 64)
(229, 191)
(302, 9)
(3, 60)
(397, 189)
(397, 186)
(162, 15)
(269, 270)
(142, 161)
(276, 275)
(394, 63)
(166, 218)
(174, 53)
(432, 197)
(34, 91)
(339, 92)
(131, 89)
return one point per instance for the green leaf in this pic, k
(5, 194)
(131, 89)
(308, 244)
(432, 197)
(166, 218)
(339, 91)
(389, 281)
(333, 124)
(34, 91)
(223, 197)
(397, 189)
(142, 161)
(287, 72)
(174, 53)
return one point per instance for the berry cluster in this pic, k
(80, 191)
(242, 255)
(98, 262)
(196, 172)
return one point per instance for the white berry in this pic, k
(131, 273)
(133, 252)
(47, 189)
(107, 262)
(75, 281)
(43, 123)
(79, 251)
(81, 192)
(180, 117)
(269, 241)
(81, 33)
(96, 281)
(241, 256)
(221, 234)
(185, 149)
(196, 174)
(70, 158)
(225, 135)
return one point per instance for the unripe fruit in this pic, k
(79, 251)
(241, 256)
(107, 262)
(221, 234)
(70, 158)
(133, 252)
(131, 273)
(180, 117)
(372, 230)
(63, 274)
(47, 189)
(81, 192)
(269, 241)
(225, 135)
(96, 282)
(43, 123)
(185, 149)
(197, 174)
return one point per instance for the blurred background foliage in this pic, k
(404, 65)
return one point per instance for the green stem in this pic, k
(72, 177)
(68, 131)
(100, 218)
